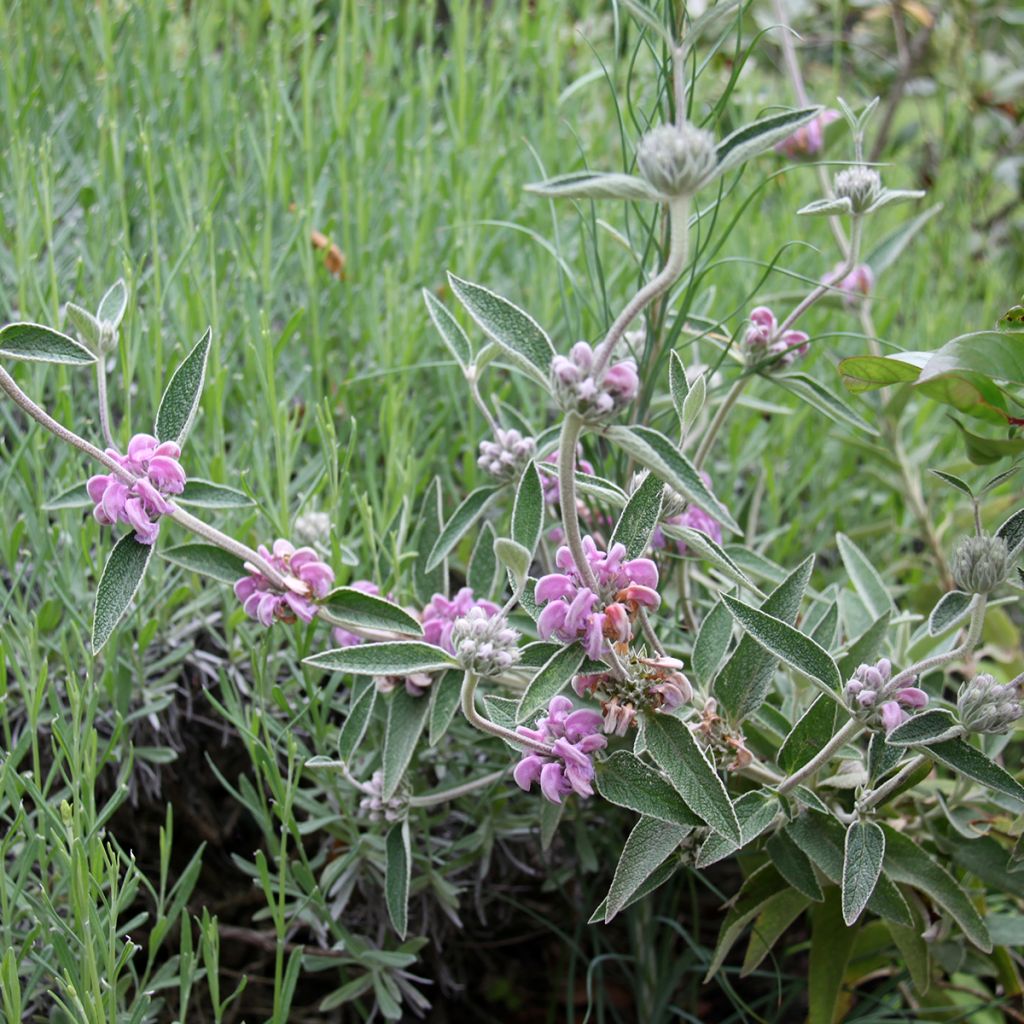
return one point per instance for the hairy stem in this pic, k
(852, 728)
(876, 796)
(571, 427)
(974, 628)
(104, 405)
(468, 699)
(465, 788)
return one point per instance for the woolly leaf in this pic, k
(627, 781)
(751, 139)
(528, 510)
(712, 643)
(397, 869)
(923, 728)
(180, 401)
(207, 560)
(122, 574)
(864, 576)
(550, 680)
(448, 327)
(407, 715)
(392, 658)
(472, 508)
(205, 494)
(639, 518)
(593, 185)
(969, 761)
(113, 304)
(39, 344)
(862, 864)
(73, 497)
(950, 610)
(367, 611)
(650, 842)
(360, 710)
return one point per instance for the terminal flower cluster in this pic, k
(578, 389)
(871, 693)
(763, 341)
(307, 580)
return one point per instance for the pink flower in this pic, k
(440, 614)
(808, 139)
(569, 768)
(762, 340)
(871, 692)
(342, 637)
(579, 390)
(306, 580)
(692, 517)
(141, 504)
(857, 284)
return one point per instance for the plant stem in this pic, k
(970, 641)
(571, 427)
(101, 388)
(721, 414)
(444, 795)
(877, 795)
(852, 728)
(469, 682)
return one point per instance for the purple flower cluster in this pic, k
(653, 684)
(857, 284)
(141, 504)
(440, 614)
(870, 691)
(573, 610)
(761, 342)
(306, 579)
(579, 390)
(808, 139)
(505, 456)
(569, 768)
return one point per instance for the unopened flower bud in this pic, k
(860, 184)
(485, 644)
(313, 528)
(988, 706)
(375, 808)
(506, 456)
(980, 564)
(578, 390)
(676, 161)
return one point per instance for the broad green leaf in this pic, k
(746, 678)
(407, 715)
(85, 324)
(113, 304)
(397, 869)
(528, 510)
(366, 611)
(1012, 531)
(207, 560)
(788, 644)
(953, 481)
(393, 658)
(122, 574)
(951, 609)
(712, 643)
(815, 727)
(862, 864)
(793, 864)
(448, 327)
(967, 760)
(593, 185)
(472, 508)
(427, 582)
(657, 878)
(868, 373)
(482, 573)
(989, 353)
(751, 139)
(205, 494)
(826, 629)
(444, 700)
(658, 454)
(923, 728)
(40, 344)
(73, 497)
(818, 397)
(360, 710)
(508, 326)
(983, 451)
(907, 862)
(625, 780)
(866, 580)
(756, 811)
(678, 385)
(831, 946)
(549, 681)
(704, 546)
(676, 752)
(777, 913)
(180, 401)
(650, 842)
(640, 516)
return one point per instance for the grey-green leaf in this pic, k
(472, 508)
(700, 543)
(712, 643)
(482, 572)
(367, 611)
(516, 559)
(678, 385)
(122, 574)
(207, 560)
(755, 138)
(549, 681)
(1012, 531)
(407, 715)
(180, 401)
(448, 327)
(528, 510)
(360, 710)
(756, 811)
(950, 610)
(206, 494)
(73, 497)
(392, 658)
(593, 185)
(967, 760)
(650, 842)
(85, 324)
(40, 344)
(113, 304)
(427, 582)
(815, 727)
(444, 700)
(862, 864)
(640, 516)
(627, 781)
(793, 864)
(923, 729)
(865, 577)
(397, 870)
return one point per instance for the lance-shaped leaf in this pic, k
(865, 577)
(676, 752)
(407, 715)
(549, 681)
(205, 494)
(793, 864)
(508, 326)
(86, 324)
(640, 516)
(694, 402)
(777, 913)
(122, 574)
(953, 481)
(367, 611)
(751, 139)
(831, 948)
(180, 402)
(827, 207)
(700, 543)
(397, 870)
(625, 780)
(678, 385)
(924, 728)
(755, 811)
(448, 327)
(882, 757)
(591, 486)
(427, 582)
(862, 864)
(113, 304)
(528, 510)
(73, 497)
(650, 842)
(657, 453)
(444, 700)
(392, 658)
(482, 572)
(712, 643)
(1012, 531)
(815, 727)
(594, 185)
(907, 862)
(810, 391)
(40, 344)
(207, 560)
(516, 560)
(658, 877)
(472, 508)
(360, 710)
(969, 761)
(951, 609)
(788, 644)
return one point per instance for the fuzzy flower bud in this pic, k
(988, 706)
(374, 807)
(578, 390)
(676, 161)
(762, 341)
(485, 644)
(872, 696)
(505, 456)
(313, 528)
(980, 564)
(857, 284)
(861, 185)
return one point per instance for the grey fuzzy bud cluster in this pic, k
(868, 684)
(505, 457)
(313, 527)
(861, 185)
(988, 706)
(375, 808)
(980, 564)
(485, 644)
(676, 160)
